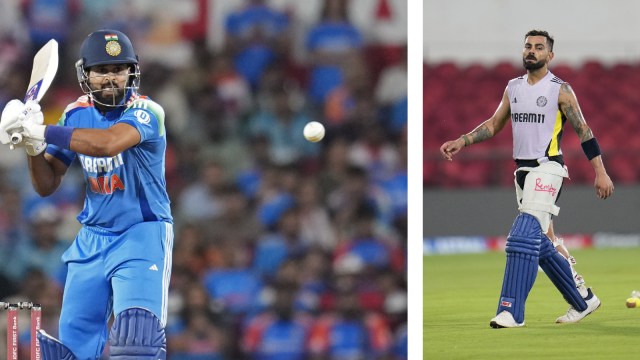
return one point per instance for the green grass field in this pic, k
(461, 294)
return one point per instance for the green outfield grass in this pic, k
(461, 294)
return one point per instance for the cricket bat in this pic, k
(45, 66)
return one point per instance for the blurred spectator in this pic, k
(366, 246)
(202, 335)
(282, 121)
(354, 193)
(280, 332)
(315, 224)
(349, 333)
(257, 36)
(329, 43)
(250, 179)
(13, 231)
(231, 88)
(238, 219)
(396, 187)
(43, 249)
(285, 241)
(375, 151)
(400, 343)
(203, 199)
(391, 93)
(188, 252)
(314, 273)
(202, 339)
(335, 165)
(275, 193)
(233, 283)
(344, 100)
(50, 19)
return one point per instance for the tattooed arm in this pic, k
(482, 132)
(568, 104)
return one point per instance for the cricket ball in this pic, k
(633, 302)
(313, 131)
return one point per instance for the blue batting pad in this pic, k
(558, 270)
(52, 349)
(521, 269)
(137, 334)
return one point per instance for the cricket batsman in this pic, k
(120, 262)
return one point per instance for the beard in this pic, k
(112, 99)
(532, 65)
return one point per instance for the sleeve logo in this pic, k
(142, 116)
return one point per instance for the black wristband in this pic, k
(591, 148)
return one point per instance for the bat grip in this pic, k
(16, 138)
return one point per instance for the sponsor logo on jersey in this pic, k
(528, 117)
(102, 182)
(142, 116)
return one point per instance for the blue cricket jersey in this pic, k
(130, 187)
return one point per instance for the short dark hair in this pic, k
(541, 33)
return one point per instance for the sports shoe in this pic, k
(573, 315)
(504, 320)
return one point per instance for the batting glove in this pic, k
(31, 146)
(31, 122)
(10, 120)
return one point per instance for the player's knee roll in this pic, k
(137, 334)
(525, 235)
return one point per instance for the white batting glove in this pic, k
(10, 120)
(31, 146)
(31, 129)
(33, 112)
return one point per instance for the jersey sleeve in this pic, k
(147, 117)
(65, 155)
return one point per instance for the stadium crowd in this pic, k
(283, 247)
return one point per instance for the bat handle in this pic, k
(16, 138)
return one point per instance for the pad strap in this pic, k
(532, 205)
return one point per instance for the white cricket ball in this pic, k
(313, 131)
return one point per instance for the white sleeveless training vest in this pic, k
(536, 120)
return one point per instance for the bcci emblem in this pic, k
(113, 48)
(542, 101)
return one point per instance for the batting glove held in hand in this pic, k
(32, 129)
(10, 120)
(31, 146)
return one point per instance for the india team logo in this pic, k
(113, 47)
(542, 101)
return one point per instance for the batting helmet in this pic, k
(105, 47)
